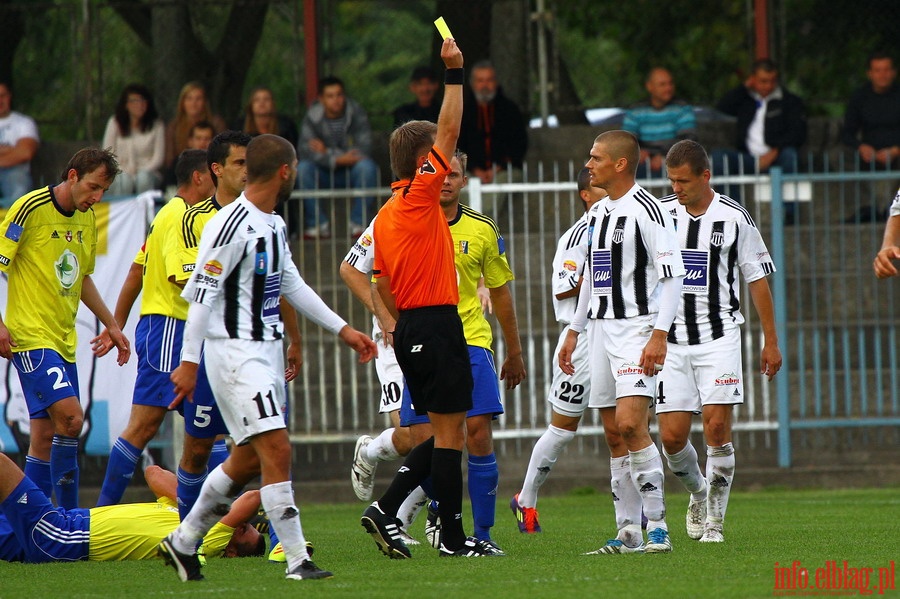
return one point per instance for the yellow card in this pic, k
(442, 28)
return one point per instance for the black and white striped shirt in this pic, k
(633, 245)
(568, 265)
(244, 265)
(714, 247)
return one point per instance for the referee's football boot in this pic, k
(386, 532)
(186, 566)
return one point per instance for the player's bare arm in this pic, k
(6, 341)
(566, 351)
(359, 342)
(770, 357)
(295, 349)
(91, 298)
(131, 288)
(653, 355)
(185, 380)
(513, 369)
(890, 250)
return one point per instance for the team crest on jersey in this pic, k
(427, 168)
(213, 268)
(66, 268)
(262, 262)
(463, 247)
(570, 265)
(366, 240)
(629, 368)
(68, 236)
(618, 235)
(14, 232)
(717, 239)
(728, 379)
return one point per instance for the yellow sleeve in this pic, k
(216, 540)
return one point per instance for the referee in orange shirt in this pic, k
(416, 277)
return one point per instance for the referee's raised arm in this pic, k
(450, 118)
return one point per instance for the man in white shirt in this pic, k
(18, 144)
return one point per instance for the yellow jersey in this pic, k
(134, 530)
(46, 252)
(192, 224)
(161, 258)
(478, 251)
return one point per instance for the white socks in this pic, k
(381, 448)
(284, 517)
(719, 476)
(683, 464)
(626, 501)
(216, 496)
(647, 474)
(411, 507)
(543, 457)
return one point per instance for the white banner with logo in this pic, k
(105, 388)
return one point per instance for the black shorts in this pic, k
(432, 353)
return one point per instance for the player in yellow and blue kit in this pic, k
(161, 326)
(479, 253)
(48, 242)
(33, 531)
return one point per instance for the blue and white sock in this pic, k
(218, 454)
(120, 469)
(38, 471)
(188, 490)
(483, 479)
(64, 470)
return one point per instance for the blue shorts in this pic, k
(157, 341)
(485, 393)
(202, 419)
(46, 378)
(46, 533)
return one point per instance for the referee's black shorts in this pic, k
(432, 353)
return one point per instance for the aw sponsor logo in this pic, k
(832, 580)
(727, 379)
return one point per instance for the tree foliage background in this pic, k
(68, 59)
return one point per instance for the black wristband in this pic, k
(455, 76)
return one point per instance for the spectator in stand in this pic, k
(192, 108)
(659, 121)
(201, 135)
(261, 116)
(771, 127)
(136, 135)
(18, 144)
(334, 150)
(424, 86)
(494, 134)
(872, 118)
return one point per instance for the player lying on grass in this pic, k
(33, 531)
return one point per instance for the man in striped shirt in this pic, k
(569, 395)
(635, 280)
(703, 373)
(890, 246)
(243, 266)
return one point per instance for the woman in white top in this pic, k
(137, 137)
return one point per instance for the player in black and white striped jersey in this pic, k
(569, 394)
(703, 373)
(635, 280)
(244, 265)
(890, 246)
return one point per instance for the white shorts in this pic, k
(389, 376)
(615, 347)
(570, 395)
(699, 375)
(247, 380)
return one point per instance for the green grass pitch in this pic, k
(810, 527)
